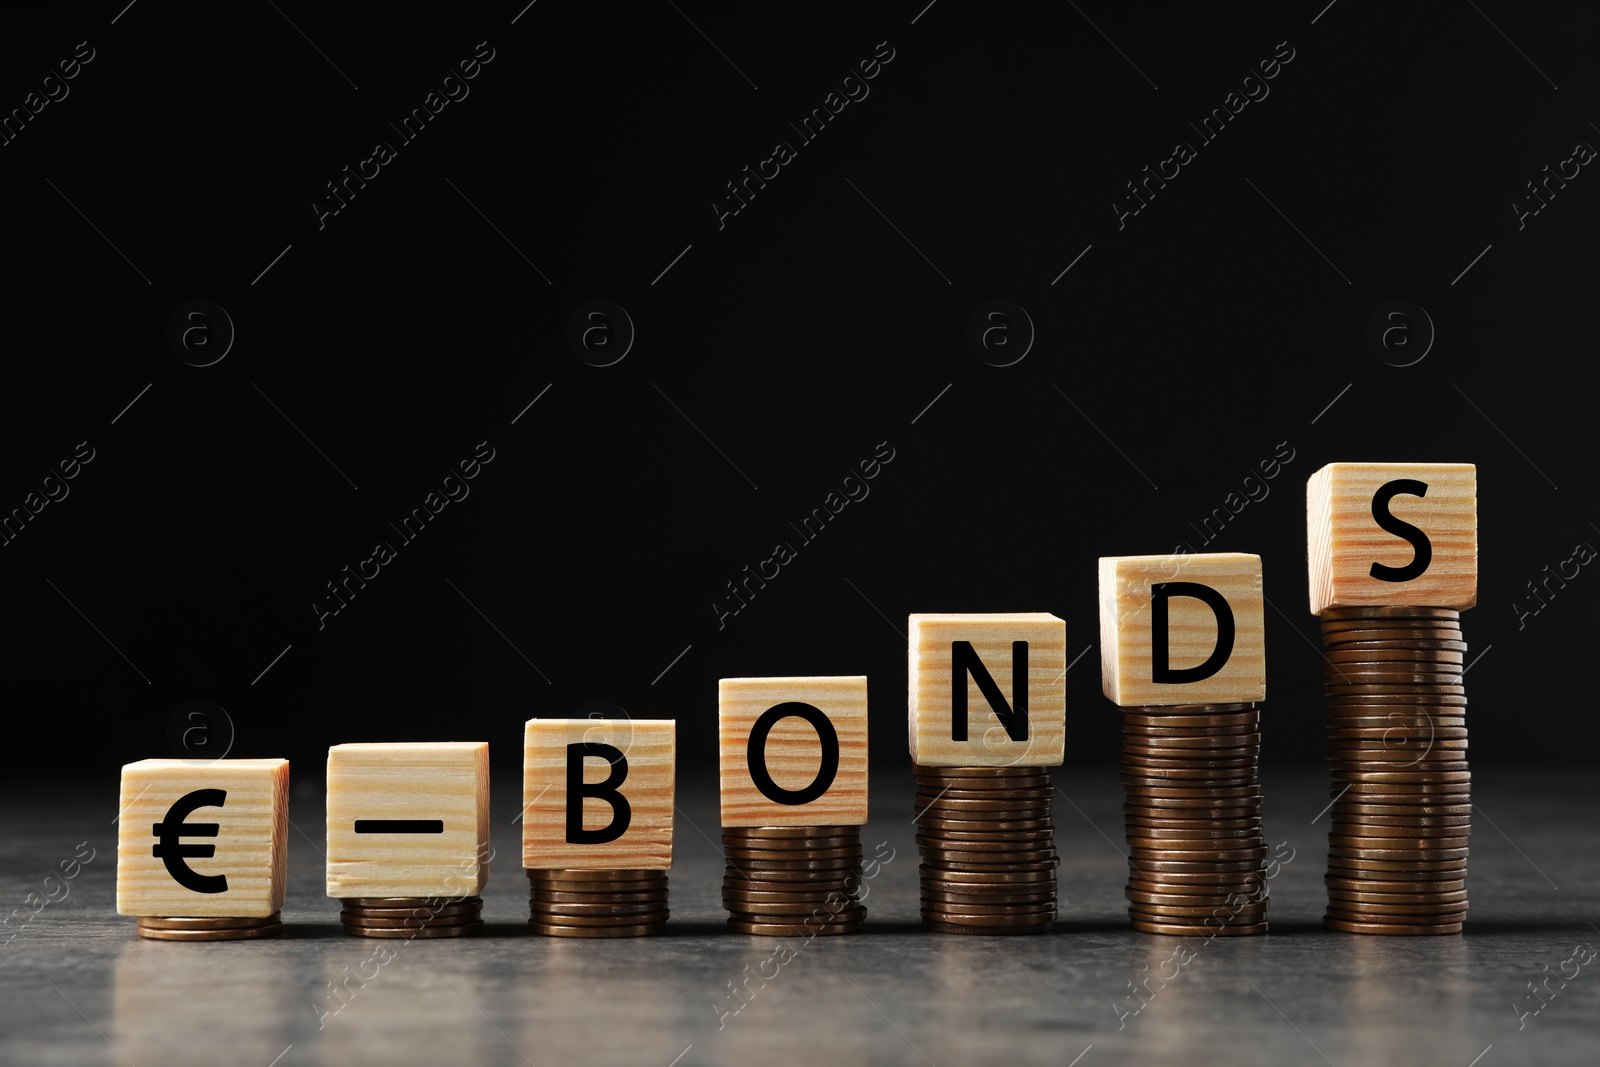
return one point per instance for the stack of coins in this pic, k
(1193, 814)
(186, 928)
(597, 903)
(793, 881)
(1402, 809)
(988, 849)
(409, 917)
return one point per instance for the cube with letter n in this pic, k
(598, 794)
(987, 690)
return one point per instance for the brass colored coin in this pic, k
(1341, 655)
(1228, 721)
(979, 894)
(760, 896)
(607, 910)
(1410, 778)
(985, 845)
(952, 793)
(1388, 611)
(1192, 900)
(1237, 795)
(1195, 855)
(357, 903)
(1172, 821)
(1367, 644)
(792, 855)
(1384, 812)
(777, 845)
(1419, 917)
(762, 868)
(1212, 882)
(541, 874)
(1398, 733)
(965, 858)
(1196, 929)
(940, 863)
(629, 919)
(1368, 874)
(985, 877)
(790, 831)
(421, 914)
(1348, 927)
(1199, 741)
(1371, 830)
(1356, 897)
(1418, 904)
(1179, 913)
(1442, 854)
(1154, 837)
(351, 920)
(1362, 885)
(227, 933)
(923, 770)
(983, 825)
(417, 932)
(796, 912)
(982, 919)
(963, 838)
(193, 922)
(557, 930)
(807, 878)
(557, 896)
(1163, 867)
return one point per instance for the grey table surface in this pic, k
(77, 986)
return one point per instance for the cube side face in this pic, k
(444, 782)
(793, 751)
(249, 855)
(937, 649)
(1345, 538)
(1130, 643)
(648, 749)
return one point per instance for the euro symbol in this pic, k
(172, 852)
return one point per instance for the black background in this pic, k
(1177, 353)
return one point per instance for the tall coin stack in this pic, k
(1193, 814)
(1397, 735)
(411, 917)
(597, 903)
(987, 840)
(185, 928)
(793, 881)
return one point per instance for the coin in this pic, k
(778, 929)
(1216, 929)
(408, 933)
(232, 933)
(938, 927)
(1346, 926)
(189, 922)
(778, 847)
(559, 930)
(791, 831)
(1388, 611)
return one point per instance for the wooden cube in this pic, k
(408, 819)
(972, 703)
(1393, 533)
(620, 815)
(1182, 629)
(203, 838)
(794, 751)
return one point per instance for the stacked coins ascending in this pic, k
(1397, 737)
(988, 849)
(1183, 653)
(1193, 814)
(793, 881)
(180, 928)
(1382, 537)
(597, 903)
(411, 917)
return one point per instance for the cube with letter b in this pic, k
(1182, 629)
(794, 751)
(408, 819)
(598, 794)
(203, 838)
(1393, 534)
(988, 690)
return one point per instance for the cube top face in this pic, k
(408, 819)
(598, 794)
(956, 658)
(1393, 534)
(1182, 629)
(205, 839)
(793, 751)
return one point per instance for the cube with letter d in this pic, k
(203, 838)
(988, 690)
(1182, 629)
(1393, 534)
(597, 794)
(794, 751)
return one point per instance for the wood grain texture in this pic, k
(650, 748)
(1127, 663)
(1344, 540)
(793, 750)
(251, 842)
(444, 780)
(930, 710)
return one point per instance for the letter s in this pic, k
(1402, 529)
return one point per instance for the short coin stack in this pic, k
(793, 881)
(411, 917)
(1397, 731)
(1193, 815)
(182, 928)
(988, 849)
(597, 903)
